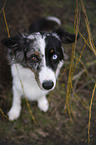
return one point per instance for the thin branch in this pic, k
(3, 6)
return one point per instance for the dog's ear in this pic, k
(65, 36)
(18, 45)
(12, 42)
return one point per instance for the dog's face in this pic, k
(41, 52)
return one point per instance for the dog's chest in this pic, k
(24, 79)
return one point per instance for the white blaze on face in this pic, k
(46, 74)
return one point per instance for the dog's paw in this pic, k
(43, 105)
(13, 114)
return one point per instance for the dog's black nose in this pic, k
(47, 85)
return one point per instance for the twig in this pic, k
(90, 113)
(3, 6)
(18, 75)
(88, 64)
(83, 85)
(88, 28)
(79, 74)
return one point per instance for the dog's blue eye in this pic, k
(54, 57)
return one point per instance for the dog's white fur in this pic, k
(30, 87)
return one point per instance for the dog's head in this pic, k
(43, 53)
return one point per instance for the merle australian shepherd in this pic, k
(36, 59)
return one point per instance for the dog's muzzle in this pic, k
(47, 85)
(46, 79)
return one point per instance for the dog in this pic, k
(36, 58)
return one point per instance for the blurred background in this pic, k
(57, 126)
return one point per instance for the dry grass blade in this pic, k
(6, 23)
(88, 65)
(79, 74)
(18, 75)
(71, 70)
(90, 113)
(27, 101)
(88, 28)
(68, 94)
(82, 64)
(79, 57)
(3, 6)
(3, 114)
(8, 36)
(85, 40)
(84, 105)
(63, 73)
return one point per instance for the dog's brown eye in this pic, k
(34, 58)
(51, 51)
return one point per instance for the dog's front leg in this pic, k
(14, 112)
(43, 104)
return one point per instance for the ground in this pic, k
(54, 127)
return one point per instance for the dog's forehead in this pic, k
(54, 35)
(38, 40)
(34, 36)
(42, 35)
